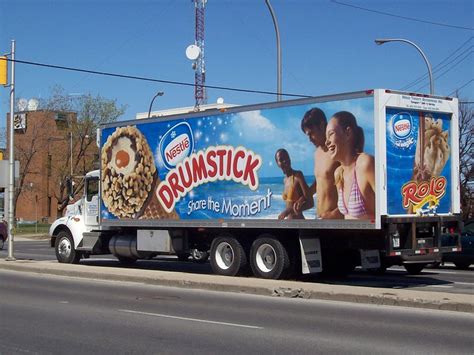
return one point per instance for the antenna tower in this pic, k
(200, 73)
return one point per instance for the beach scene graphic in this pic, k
(227, 200)
(223, 166)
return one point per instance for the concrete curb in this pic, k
(275, 288)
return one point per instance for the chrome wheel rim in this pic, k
(266, 258)
(224, 255)
(64, 248)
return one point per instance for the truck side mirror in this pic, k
(70, 188)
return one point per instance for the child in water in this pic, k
(295, 188)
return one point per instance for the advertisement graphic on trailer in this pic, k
(293, 162)
(419, 173)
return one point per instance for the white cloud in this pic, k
(255, 125)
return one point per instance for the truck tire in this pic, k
(414, 269)
(64, 247)
(228, 257)
(269, 258)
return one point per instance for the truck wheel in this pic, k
(64, 247)
(228, 257)
(462, 266)
(269, 258)
(414, 269)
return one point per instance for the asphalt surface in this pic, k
(446, 278)
(44, 314)
(330, 290)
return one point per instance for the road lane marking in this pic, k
(440, 286)
(190, 319)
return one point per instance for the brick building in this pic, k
(45, 144)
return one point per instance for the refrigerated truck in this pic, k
(367, 178)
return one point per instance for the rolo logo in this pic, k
(176, 144)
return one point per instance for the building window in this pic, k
(61, 120)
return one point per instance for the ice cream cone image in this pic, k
(128, 172)
(152, 208)
(432, 151)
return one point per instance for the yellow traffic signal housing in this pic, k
(3, 70)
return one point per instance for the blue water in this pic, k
(268, 195)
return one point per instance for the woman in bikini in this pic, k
(296, 189)
(355, 177)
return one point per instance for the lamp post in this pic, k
(277, 32)
(430, 74)
(159, 93)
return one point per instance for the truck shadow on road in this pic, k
(395, 279)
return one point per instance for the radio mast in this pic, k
(200, 70)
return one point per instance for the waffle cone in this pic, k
(152, 208)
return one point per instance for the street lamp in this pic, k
(159, 93)
(430, 74)
(277, 32)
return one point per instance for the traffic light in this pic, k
(3, 70)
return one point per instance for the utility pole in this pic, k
(11, 158)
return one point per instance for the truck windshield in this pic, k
(92, 188)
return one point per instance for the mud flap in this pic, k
(369, 259)
(311, 261)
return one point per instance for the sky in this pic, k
(327, 48)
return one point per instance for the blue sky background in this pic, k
(326, 47)
(263, 132)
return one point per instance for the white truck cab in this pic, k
(67, 233)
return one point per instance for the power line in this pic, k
(461, 87)
(403, 17)
(449, 69)
(437, 66)
(171, 82)
(468, 51)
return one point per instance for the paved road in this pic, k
(56, 315)
(445, 279)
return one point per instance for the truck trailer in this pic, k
(321, 184)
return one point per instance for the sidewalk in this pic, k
(31, 236)
(276, 288)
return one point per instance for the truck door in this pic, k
(91, 201)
